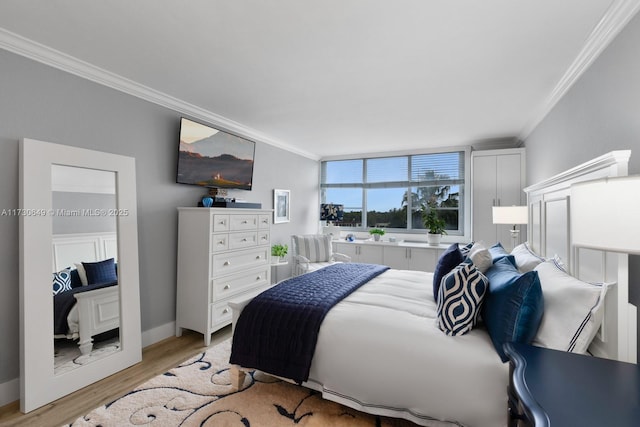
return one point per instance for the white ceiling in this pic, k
(331, 77)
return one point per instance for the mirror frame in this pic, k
(38, 383)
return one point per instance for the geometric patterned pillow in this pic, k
(62, 281)
(460, 299)
(466, 249)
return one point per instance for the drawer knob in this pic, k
(225, 311)
(245, 221)
(244, 240)
(258, 257)
(221, 242)
(227, 263)
(259, 278)
(227, 287)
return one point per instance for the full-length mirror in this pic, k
(78, 238)
(86, 309)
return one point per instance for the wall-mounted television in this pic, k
(213, 158)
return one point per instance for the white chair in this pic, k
(312, 252)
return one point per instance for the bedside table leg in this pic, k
(237, 377)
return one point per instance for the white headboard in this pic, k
(78, 247)
(549, 235)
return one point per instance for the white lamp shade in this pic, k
(510, 215)
(605, 213)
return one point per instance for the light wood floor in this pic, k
(156, 359)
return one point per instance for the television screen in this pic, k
(212, 158)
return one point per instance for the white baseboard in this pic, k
(10, 390)
(157, 334)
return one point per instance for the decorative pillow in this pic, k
(62, 281)
(81, 273)
(526, 259)
(466, 248)
(101, 271)
(573, 310)
(498, 252)
(481, 257)
(514, 305)
(460, 299)
(76, 282)
(447, 261)
(316, 248)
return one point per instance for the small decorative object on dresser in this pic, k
(222, 253)
(207, 202)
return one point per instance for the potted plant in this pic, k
(434, 224)
(279, 251)
(376, 233)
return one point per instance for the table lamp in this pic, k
(512, 215)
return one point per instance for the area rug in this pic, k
(198, 393)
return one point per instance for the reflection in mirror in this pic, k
(63, 223)
(86, 312)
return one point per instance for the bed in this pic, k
(85, 310)
(380, 349)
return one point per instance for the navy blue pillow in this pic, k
(101, 271)
(449, 259)
(497, 252)
(513, 308)
(75, 279)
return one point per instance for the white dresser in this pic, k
(222, 253)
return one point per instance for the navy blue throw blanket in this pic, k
(277, 331)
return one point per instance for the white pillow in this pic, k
(82, 273)
(481, 257)
(573, 310)
(526, 259)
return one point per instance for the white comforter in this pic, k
(380, 351)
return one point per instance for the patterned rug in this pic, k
(198, 393)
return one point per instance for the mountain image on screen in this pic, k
(220, 160)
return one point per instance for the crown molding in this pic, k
(46, 55)
(619, 159)
(614, 20)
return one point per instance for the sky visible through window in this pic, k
(379, 170)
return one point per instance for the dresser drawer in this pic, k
(228, 286)
(220, 222)
(263, 237)
(219, 242)
(264, 221)
(243, 222)
(220, 314)
(227, 263)
(243, 240)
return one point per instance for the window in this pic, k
(393, 192)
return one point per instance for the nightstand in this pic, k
(556, 388)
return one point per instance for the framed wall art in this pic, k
(281, 210)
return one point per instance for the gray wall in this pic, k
(600, 113)
(43, 103)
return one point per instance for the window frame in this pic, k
(465, 200)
